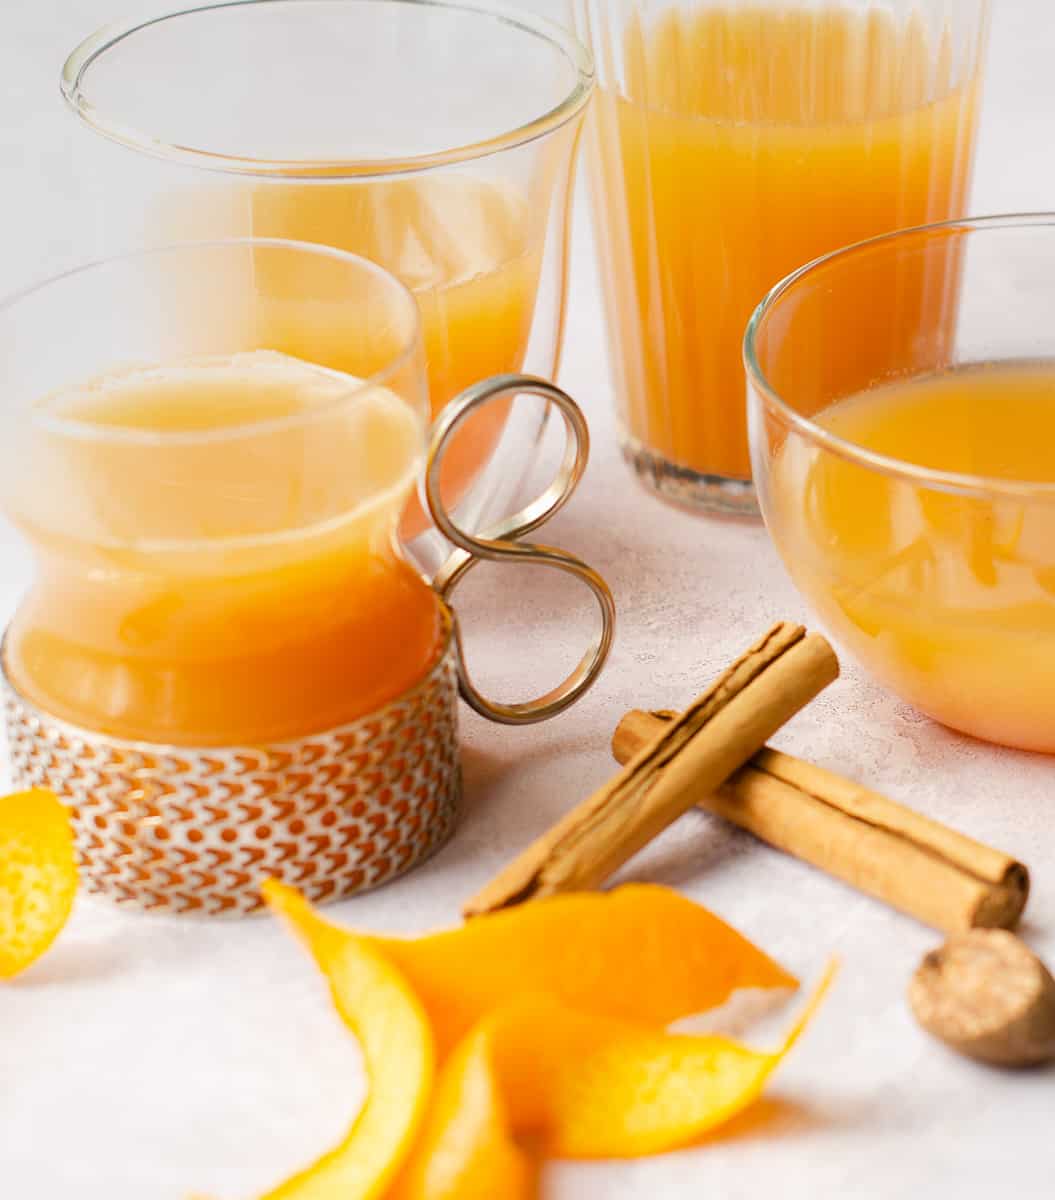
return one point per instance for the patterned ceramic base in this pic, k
(179, 830)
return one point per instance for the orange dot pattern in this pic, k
(177, 830)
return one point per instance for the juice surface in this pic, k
(215, 552)
(948, 597)
(743, 143)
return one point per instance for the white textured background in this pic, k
(145, 1059)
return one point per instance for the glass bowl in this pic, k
(901, 408)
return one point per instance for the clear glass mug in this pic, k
(224, 661)
(437, 139)
(729, 143)
(910, 490)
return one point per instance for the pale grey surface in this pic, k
(145, 1060)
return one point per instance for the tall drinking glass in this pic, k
(730, 143)
(436, 138)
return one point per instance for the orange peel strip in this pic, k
(640, 953)
(467, 1151)
(606, 1089)
(380, 1008)
(38, 876)
(537, 998)
(584, 1087)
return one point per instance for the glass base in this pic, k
(687, 489)
(185, 830)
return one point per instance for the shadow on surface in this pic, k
(704, 844)
(772, 1118)
(64, 964)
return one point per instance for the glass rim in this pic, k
(937, 480)
(70, 427)
(97, 44)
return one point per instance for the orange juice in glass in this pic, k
(913, 499)
(436, 140)
(466, 248)
(730, 144)
(213, 517)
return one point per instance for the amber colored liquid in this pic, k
(201, 589)
(745, 143)
(468, 249)
(947, 597)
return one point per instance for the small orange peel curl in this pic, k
(551, 1017)
(38, 876)
(378, 1006)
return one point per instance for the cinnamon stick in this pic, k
(914, 864)
(690, 754)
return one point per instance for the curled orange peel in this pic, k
(38, 876)
(640, 953)
(376, 1004)
(607, 1089)
(532, 1008)
(579, 1087)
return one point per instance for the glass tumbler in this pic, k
(224, 662)
(730, 143)
(911, 490)
(437, 139)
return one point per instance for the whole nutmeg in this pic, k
(988, 996)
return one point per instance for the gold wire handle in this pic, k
(498, 543)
